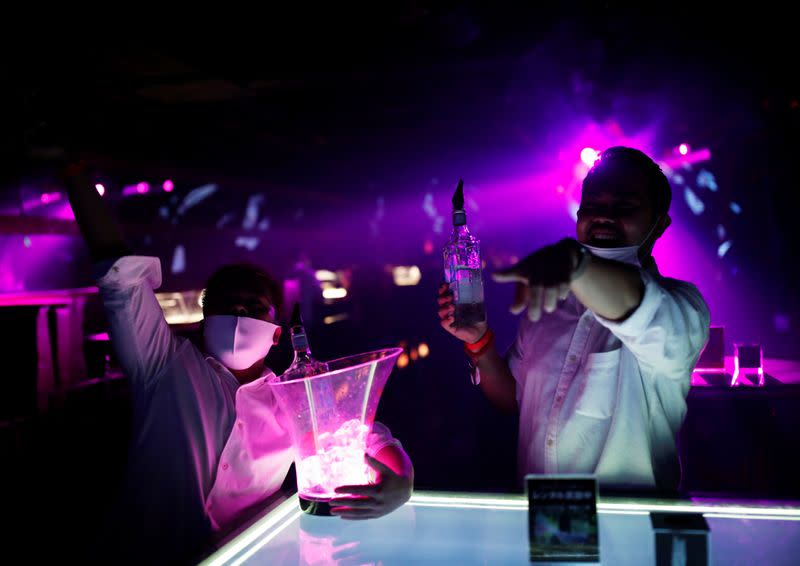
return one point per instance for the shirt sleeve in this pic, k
(380, 438)
(668, 329)
(139, 333)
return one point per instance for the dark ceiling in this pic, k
(295, 97)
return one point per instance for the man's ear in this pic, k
(662, 225)
(277, 336)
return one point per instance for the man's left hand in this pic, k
(542, 278)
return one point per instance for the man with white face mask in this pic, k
(209, 441)
(602, 363)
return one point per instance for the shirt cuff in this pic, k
(129, 271)
(380, 438)
(639, 320)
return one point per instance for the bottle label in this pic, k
(467, 286)
(300, 342)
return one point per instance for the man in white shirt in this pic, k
(209, 441)
(602, 363)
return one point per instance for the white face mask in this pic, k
(238, 341)
(624, 254)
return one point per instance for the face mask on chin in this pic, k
(624, 254)
(238, 342)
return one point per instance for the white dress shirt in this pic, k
(204, 448)
(604, 397)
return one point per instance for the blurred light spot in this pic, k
(693, 201)
(334, 293)
(248, 242)
(472, 204)
(677, 178)
(428, 206)
(683, 149)
(406, 275)
(427, 247)
(560, 189)
(402, 360)
(179, 259)
(589, 155)
(26, 241)
(182, 307)
(264, 224)
(720, 231)
(325, 275)
(331, 319)
(724, 247)
(414, 354)
(168, 186)
(224, 220)
(48, 198)
(196, 196)
(142, 188)
(706, 179)
(164, 212)
(735, 208)
(423, 350)
(251, 211)
(782, 322)
(438, 222)
(101, 190)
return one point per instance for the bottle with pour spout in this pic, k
(463, 269)
(304, 364)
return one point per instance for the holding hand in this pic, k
(469, 334)
(390, 492)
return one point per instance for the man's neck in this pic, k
(245, 376)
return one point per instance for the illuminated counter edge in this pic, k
(278, 517)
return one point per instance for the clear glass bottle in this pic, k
(304, 364)
(463, 269)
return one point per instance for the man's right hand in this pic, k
(469, 334)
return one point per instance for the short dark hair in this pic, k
(244, 276)
(630, 158)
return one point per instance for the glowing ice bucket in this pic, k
(330, 416)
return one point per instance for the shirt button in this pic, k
(549, 441)
(224, 466)
(559, 398)
(241, 424)
(572, 357)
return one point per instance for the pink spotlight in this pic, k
(683, 149)
(101, 190)
(168, 186)
(47, 198)
(142, 188)
(589, 155)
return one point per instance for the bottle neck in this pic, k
(459, 219)
(300, 343)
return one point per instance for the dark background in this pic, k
(353, 125)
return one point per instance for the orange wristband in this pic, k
(479, 348)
